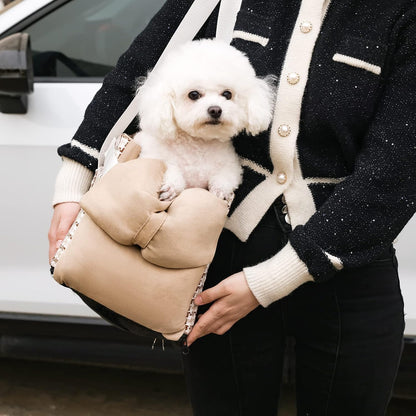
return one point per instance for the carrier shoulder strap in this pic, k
(196, 16)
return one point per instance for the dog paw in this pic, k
(167, 193)
(222, 194)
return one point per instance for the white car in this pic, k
(74, 44)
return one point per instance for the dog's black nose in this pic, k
(215, 111)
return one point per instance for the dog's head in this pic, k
(207, 89)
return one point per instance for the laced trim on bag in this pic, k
(193, 309)
(121, 143)
(68, 238)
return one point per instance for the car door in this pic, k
(74, 43)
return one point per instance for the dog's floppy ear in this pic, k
(155, 109)
(260, 105)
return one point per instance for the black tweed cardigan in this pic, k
(348, 156)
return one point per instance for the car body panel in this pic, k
(12, 16)
(406, 254)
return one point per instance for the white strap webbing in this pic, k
(226, 19)
(196, 16)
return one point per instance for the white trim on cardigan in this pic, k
(298, 196)
(86, 149)
(283, 148)
(251, 37)
(254, 167)
(251, 210)
(358, 63)
(336, 262)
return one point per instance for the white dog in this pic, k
(190, 107)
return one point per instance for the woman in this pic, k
(307, 250)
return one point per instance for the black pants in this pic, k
(348, 333)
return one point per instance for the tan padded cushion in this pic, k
(178, 234)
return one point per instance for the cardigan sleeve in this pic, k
(366, 212)
(118, 86)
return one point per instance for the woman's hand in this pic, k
(63, 216)
(232, 299)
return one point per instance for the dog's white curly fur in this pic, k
(193, 136)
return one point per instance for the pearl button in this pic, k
(287, 219)
(281, 178)
(293, 78)
(284, 209)
(305, 27)
(284, 130)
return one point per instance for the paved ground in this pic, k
(47, 389)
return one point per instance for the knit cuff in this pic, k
(275, 278)
(72, 182)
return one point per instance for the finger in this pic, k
(63, 217)
(210, 321)
(59, 229)
(210, 295)
(53, 227)
(224, 328)
(64, 226)
(203, 327)
(198, 332)
(191, 338)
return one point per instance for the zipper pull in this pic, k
(162, 342)
(185, 348)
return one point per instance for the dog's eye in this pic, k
(194, 95)
(227, 94)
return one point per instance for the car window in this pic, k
(85, 38)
